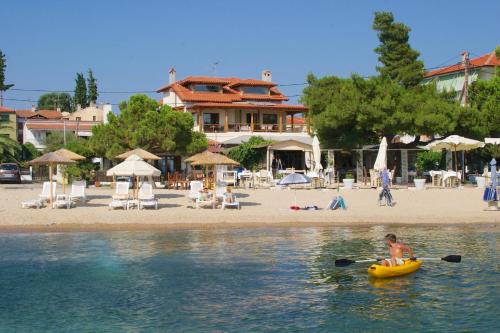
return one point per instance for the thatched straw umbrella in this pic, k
(145, 155)
(51, 159)
(69, 155)
(207, 159)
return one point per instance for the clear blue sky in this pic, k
(130, 45)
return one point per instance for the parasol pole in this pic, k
(50, 185)
(456, 162)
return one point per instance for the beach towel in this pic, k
(336, 203)
(490, 194)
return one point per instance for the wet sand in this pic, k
(260, 208)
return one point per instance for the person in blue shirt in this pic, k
(386, 192)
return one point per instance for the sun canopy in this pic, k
(493, 141)
(133, 166)
(145, 155)
(208, 158)
(456, 143)
(316, 154)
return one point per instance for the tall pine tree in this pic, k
(3, 87)
(400, 62)
(80, 97)
(92, 86)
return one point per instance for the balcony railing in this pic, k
(244, 127)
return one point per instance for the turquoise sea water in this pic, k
(246, 280)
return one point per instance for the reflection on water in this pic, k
(246, 280)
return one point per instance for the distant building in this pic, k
(232, 110)
(34, 126)
(452, 78)
(8, 122)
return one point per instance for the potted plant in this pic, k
(348, 181)
(427, 160)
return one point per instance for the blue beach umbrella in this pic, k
(295, 179)
(493, 164)
(490, 193)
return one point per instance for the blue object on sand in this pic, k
(336, 203)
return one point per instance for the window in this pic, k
(270, 118)
(78, 118)
(94, 118)
(211, 118)
(4, 118)
(255, 90)
(206, 88)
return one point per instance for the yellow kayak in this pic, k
(379, 271)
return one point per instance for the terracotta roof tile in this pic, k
(230, 92)
(24, 113)
(489, 59)
(6, 109)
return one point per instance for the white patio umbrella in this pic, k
(455, 143)
(316, 154)
(493, 141)
(133, 166)
(381, 160)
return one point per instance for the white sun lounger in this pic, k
(122, 191)
(116, 203)
(235, 204)
(146, 197)
(78, 191)
(34, 203)
(45, 195)
(62, 201)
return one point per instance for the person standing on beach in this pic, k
(386, 193)
(396, 251)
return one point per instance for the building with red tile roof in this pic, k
(226, 108)
(34, 126)
(230, 110)
(452, 78)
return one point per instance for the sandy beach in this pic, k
(259, 208)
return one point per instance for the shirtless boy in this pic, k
(396, 251)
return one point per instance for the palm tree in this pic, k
(8, 148)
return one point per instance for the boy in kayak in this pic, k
(396, 250)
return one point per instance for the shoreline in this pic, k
(135, 227)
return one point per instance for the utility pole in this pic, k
(464, 95)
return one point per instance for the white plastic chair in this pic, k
(194, 188)
(45, 196)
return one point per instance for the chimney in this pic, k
(171, 75)
(33, 108)
(267, 76)
(78, 107)
(58, 109)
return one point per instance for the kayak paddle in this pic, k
(346, 262)
(450, 258)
